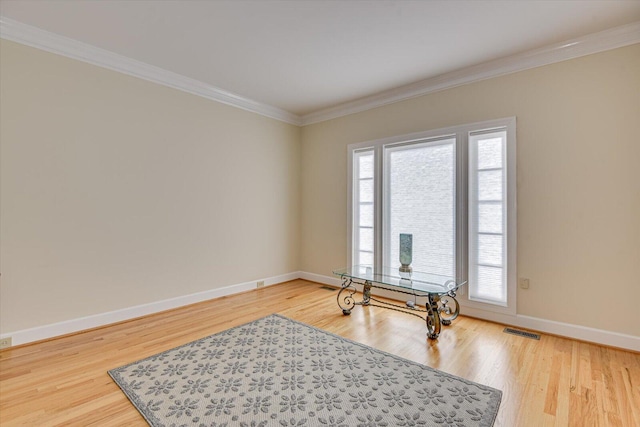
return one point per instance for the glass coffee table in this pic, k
(441, 306)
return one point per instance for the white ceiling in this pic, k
(306, 56)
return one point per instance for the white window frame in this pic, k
(461, 149)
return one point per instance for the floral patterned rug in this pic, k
(279, 372)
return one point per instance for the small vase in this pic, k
(406, 255)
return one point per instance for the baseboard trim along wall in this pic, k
(598, 336)
(83, 323)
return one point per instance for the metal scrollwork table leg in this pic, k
(448, 308)
(347, 302)
(433, 318)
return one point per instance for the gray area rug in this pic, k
(279, 372)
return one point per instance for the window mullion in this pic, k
(462, 208)
(378, 213)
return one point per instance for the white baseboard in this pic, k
(83, 323)
(582, 333)
(568, 330)
(325, 280)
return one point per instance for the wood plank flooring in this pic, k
(551, 382)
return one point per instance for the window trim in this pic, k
(509, 125)
(461, 147)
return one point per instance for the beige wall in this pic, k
(578, 157)
(117, 192)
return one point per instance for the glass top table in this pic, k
(441, 306)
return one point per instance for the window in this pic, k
(419, 199)
(363, 208)
(454, 190)
(487, 209)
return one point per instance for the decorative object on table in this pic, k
(278, 372)
(406, 255)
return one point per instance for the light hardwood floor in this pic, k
(554, 381)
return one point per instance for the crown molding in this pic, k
(593, 43)
(35, 37)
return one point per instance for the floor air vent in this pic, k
(522, 333)
(327, 288)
